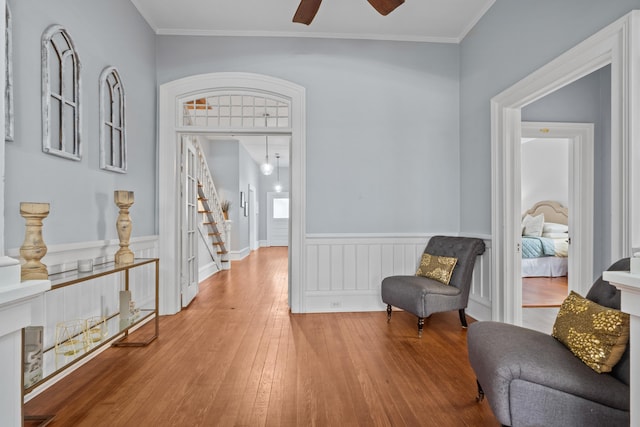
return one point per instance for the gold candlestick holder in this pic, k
(33, 249)
(124, 200)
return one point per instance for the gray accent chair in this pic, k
(532, 379)
(423, 296)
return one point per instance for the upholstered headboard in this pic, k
(553, 211)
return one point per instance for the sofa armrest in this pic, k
(500, 353)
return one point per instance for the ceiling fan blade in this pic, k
(385, 7)
(306, 11)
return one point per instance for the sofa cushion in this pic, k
(597, 335)
(437, 267)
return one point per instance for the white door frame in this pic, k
(168, 174)
(189, 209)
(270, 196)
(253, 219)
(580, 202)
(616, 45)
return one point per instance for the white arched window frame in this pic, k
(113, 141)
(60, 95)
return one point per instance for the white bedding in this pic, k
(546, 257)
(549, 266)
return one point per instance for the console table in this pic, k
(116, 327)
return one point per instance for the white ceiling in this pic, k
(446, 21)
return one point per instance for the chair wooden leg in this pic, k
(480, 396)
(388, 313)
(463, 318)
(420, 326)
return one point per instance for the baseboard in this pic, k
(207, 271)
(478, 309)
(342, 302)
(239, 255)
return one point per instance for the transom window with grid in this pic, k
(236, 111)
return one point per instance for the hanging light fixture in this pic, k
(266, 168)
(278, 186)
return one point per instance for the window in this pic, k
(113, 143)
(236, 110)
(280, 208)
(60, 95)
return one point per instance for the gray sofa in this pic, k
(531, 379)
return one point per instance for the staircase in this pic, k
(213, 228)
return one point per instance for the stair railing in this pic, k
(209, 190)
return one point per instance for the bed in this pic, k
(545, 240)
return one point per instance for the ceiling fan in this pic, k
(308, 8)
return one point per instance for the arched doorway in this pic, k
(170, 129)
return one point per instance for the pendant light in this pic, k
(278, 186)
(266, 168)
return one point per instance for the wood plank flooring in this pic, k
(544, 291)
(237, 357)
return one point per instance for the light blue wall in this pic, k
(512, 40)
(382, 123)
(81, 194)
(398, 134)
(232, 170)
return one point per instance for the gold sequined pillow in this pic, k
(437, 267)
(597, 335)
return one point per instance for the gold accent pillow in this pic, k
(597, 335)
(437, 267)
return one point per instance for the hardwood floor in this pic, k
(544, 291)
(237, 357)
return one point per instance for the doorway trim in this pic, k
(253, 220)
(169, 174)
(613, 45)
(580, 200)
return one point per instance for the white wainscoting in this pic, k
(344, 272)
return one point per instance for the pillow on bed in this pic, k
(532, 225)
(555, 235)
(552, 227)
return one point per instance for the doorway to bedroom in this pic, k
(545, 233)
(555, 197)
